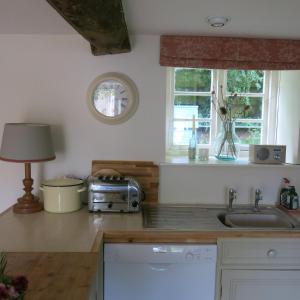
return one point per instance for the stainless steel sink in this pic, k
(193, 217)
(255, 220)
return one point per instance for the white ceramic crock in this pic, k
(62, 195)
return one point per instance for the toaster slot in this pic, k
(111, 196)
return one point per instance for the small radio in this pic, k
(267, 154)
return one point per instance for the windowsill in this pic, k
(241, 162)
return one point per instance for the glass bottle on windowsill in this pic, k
(193, 142)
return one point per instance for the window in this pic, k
(190, 95)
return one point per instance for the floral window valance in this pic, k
(229, 53)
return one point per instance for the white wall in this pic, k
(289, 114)
(45, 79)
(209, 184)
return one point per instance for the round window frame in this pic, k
(131, 90)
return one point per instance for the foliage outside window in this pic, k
(250, 86)
(190, 94)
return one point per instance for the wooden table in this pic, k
(54, 276)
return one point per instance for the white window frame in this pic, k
(269, 111)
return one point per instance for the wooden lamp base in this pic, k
(28, 203)
(27, 207)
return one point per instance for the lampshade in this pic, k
(26, 142)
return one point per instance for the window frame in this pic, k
(269, 110)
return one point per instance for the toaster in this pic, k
(114, 194)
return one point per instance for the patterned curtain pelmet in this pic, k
(229, 53)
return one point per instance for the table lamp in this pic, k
(27, 143)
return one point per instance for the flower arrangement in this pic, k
(11, 288)
(228, 109)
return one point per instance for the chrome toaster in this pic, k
(114, 194)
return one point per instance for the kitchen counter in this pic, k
(83, 232)
(54, 276)
(47, 232)
(55, 248)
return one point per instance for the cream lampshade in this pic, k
(27, 143)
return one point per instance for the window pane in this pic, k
(249, 133)
(187, 106)
(240, 111)
(255, 111)
(245, 81)
(192, 80)
(182, 132)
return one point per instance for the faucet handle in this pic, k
(232, 195)
(258, 197)
(258, 194)
(232, 192)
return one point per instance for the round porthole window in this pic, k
(113, 98)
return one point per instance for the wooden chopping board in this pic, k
(145, 172)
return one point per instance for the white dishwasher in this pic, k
(159, 272)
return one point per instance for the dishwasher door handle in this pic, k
(159, 250)
(159, 267)
(163, 249)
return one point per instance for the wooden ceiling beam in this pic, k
(101, 22)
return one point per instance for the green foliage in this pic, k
(255, 104)
(192, 80)
(245, 81)
(254, 137)
(249, 136)
(3, 262)
(199, 80)
(12, 288)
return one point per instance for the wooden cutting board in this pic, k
(145, 172)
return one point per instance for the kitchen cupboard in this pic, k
(259, 269)
(260, 285)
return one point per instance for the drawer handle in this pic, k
(271, 253)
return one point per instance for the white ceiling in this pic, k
(265, 18)
(31, 17)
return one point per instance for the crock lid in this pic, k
(62, 182)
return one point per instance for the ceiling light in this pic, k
(217, 21)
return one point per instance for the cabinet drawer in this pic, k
(253, 251)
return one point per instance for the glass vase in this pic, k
(227, 143)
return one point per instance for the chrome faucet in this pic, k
(231, 197)
(258, 197)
